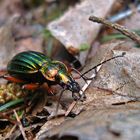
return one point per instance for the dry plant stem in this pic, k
(20, 126)
(11, 111)
(70, 108)
(11, 131)
(117, 27)
(5, 116)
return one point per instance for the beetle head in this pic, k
(74, 87)
(69, 83)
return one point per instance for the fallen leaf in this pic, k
(7, 43)
(100, 123)
(74, 31)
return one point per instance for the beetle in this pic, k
(31, 69)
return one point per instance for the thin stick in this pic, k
(5, 116)
(72, 105)
(11, 131)
(20, 126)
(117, 27)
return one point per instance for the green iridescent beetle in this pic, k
(32, 69)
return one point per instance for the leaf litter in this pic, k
(109, 111)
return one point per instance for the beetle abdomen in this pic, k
(26, 62)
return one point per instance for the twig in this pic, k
(20, 126)
(117, 27)
(11, 131)
(7, 112)
(72, 105)
(5, 116)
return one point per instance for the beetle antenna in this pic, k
(103, 63)
(80, 74)
(57, 107)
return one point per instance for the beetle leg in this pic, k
(12, 79)
(57, 107)
(31, 86)
(49, 89)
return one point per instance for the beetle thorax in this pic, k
(55, 71)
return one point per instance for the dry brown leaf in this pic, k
(7, 43)
(100, 123)
(74, 29)
(8, 9)
(51, 124)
